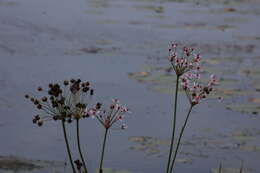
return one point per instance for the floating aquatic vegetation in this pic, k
(12, 163)
(110, 170)
(230, 170)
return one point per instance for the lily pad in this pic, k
(229, 170)
(244, 108)
(148, 145)
(251, 148)
(110, 170)
(14, 163)
(184, 160)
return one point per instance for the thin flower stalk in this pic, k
(68, 147)
(220, 168)
(64, 103)
(103, 152)
(79, 146)
(180, 137)
(196, 92)
(182, 61)
(174, 123)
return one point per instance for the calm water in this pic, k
(104, 41)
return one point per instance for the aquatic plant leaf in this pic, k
(244, 108)
(110, 170)
(250, 148)
(14, 163)
(229, 170)
(184, 160)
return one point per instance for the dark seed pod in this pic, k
(85, 89)
(55, 118)
(39, 106)
(40, 123)
(27, 96)
(39, 88)
(37, 117)
(91, 92)
(44, 99)
(87, 83)
(112, 107)
(72, 80)
(66, 82)
(36, 102)
(34, 121)
(98, 105)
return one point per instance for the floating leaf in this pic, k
(110, 170)
(184, 160)
(21, 164)
(254, 100)
(244, 108)
(251, 148)
(229, 170)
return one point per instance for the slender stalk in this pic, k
(103, 151)
(79, 148)
(179, 139)
(220, 168)
(174, 122)
(242, 167)
(67, 145)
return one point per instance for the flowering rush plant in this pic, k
(108, 117)
(70, 102)
(65, 103)
(186, 64)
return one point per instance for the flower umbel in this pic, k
(62, 102)
(183, 60)
(195, 90)
(108, 117)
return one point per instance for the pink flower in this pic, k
(196, 91)
(111, 115)
(184, 60)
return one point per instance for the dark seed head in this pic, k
(91, 92)
(34, 121)
(112, 106)
(39, 106)
(44, 99)
(66, 82)
(98, 105)
(72, 80)
(40, 123)
(39, 88)
(36, 102)
(27, 96)
(55, 118)
(79, 80)
(85, 89)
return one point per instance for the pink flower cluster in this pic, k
(108, 117)
(184, 60)
(196, 91)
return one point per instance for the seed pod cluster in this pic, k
(66, 101)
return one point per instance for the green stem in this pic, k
(179, 139)
(103, 151)
(79, 148)
(67, 145)
(174, 122)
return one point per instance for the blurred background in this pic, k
(121, 47)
